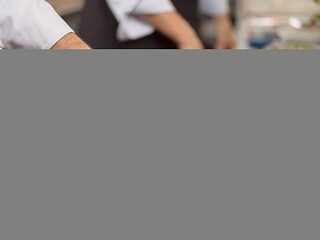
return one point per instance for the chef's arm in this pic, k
(175, 27)
(219, 11)
(70, 41)
(224, 30)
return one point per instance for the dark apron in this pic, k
(99, 27)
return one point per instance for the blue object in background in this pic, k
(259, 43)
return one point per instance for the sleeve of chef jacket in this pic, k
(214, 7)
(30, 24)
(130, 27)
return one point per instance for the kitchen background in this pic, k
(275, 24)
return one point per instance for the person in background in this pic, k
(152, 24)
(136, 24)
(33, 24)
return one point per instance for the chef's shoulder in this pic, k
(19, 8)
(31, 24)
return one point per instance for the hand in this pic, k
(226, 40)
(225, 35)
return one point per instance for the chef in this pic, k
(132, 24)
(152, 23)
(33, 24)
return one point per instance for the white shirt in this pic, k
(214, 7)
(131, 28)
(30, 24)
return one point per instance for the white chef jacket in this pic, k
(131, 28)
(30, 24)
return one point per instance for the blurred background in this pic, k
(261, 24)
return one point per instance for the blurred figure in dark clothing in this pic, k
(153, 24)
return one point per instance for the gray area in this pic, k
(154, 145)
